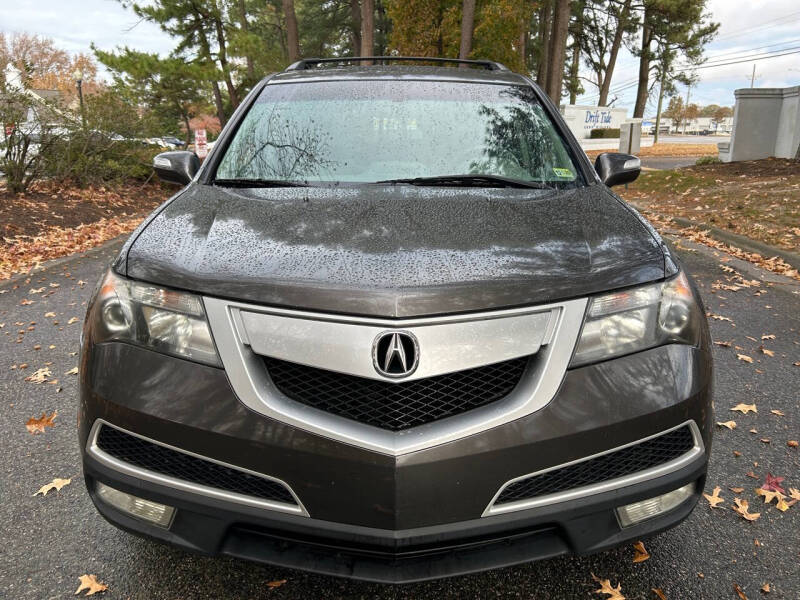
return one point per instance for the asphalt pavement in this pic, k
(46, 543)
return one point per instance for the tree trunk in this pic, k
(355, 23)
(573, 72)
(251, 72)
(644, 70)
(612, 57)
(558, 50)
(522, 44)
(367, 29)
(467, 25)
(223, 61)
(292, 36)
(545, 22)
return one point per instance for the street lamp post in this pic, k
(78, 77)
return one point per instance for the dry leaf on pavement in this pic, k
(766, 588)
(714, 498)
(641, 553)
(612, 593)
(745, 408)
(72, 371)
(659, 593)
(275, 584)
(35, 426)
(739, 591)
(794, 493)
(728, 424)
(773, 483)
(792, 443)
(744, 357)
(741, 509)
(90, 583)
(765, 351)
(39, 376)
(775, 411)
(768, 495)
(56, 484)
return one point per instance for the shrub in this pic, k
(597, 134)
(708, 160)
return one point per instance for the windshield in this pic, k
(374, 131)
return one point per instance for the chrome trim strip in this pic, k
(128, 469)
(604, 486)
(539, 383)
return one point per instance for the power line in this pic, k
(770, 23)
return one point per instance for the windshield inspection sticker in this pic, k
(562, 172)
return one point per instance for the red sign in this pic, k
(200, 143)
(9, 129)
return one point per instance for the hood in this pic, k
(394, 251)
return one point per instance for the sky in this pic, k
(747, 27)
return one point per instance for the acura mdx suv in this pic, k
(395, 327)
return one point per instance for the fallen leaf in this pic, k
(739, 591)
(744, 357)
(39, 376)
(49, 314)
(782, 505)
(75, 320)
(90, 583)
(773, 483)
(766, 588)
(766, 351)
(641, 553)
(768, 495)
(72, 371)
(276, 584)
(35, 426)
(792, 443)
(741, 509)
(770, 336)
(613, 593)
(751, 474)
(56, 484)
(659, 593)
(736, 490)
(765, 440)
(745, 408)
(723, 344)
(777, 412)
(728, 424)
(737, 453)
(714, 499)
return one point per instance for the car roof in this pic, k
(399, 72)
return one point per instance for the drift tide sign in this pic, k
(582, 119)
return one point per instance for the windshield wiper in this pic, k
(471, 181)
(258, 183)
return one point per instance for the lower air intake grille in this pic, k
(641, 456)
(396, 406)
(166, 461)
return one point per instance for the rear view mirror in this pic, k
(178, 166)
(616, 169)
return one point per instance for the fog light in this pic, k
(160, 514)
(631, 514)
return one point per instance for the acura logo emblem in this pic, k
(395, 353)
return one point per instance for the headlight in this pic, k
(164, 320)
(637, 319)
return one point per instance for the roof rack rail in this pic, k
(307, 63)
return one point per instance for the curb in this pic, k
(745, 243)
(55, 262)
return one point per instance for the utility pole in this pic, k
(753, 76)
(660, 104)
(686, 108)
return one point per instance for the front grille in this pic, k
(396, 406)
(166, 461)
(641, 456)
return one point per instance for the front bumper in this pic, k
(396, 519)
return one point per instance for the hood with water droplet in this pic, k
(395, 251)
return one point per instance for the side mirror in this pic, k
(616, 169)
(178, 166)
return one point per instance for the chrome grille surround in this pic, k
(496, 508)
(93, 449)
(245, 333)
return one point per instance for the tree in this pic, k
(670, 29)
(367, 28)
(467, 25)
(604, 23)
(292, 36)
(558, 50)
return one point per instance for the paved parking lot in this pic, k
(48, 542)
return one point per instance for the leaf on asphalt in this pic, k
(792, 443)
(765, 440)
(659, 593)
(72, 320)
(719, 317)
(612, 593)
(782, 505)
(773, 484)
(72, 371)
(744, 357)
(275, 584)
(794, 493)
(770, 336)
(777, 412)
(751, 474)
(56, 484)
(728, 424)
(723, 344)
(766, 588)
(739, 591)
(796, 364)
(768, 495)
(40, 376)
(766, 351)
(641, 553)
(90, 583)
(35, 426)
(742, 509)
(736, 490)
(49, 314)
(745, 408)
(714, 499)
